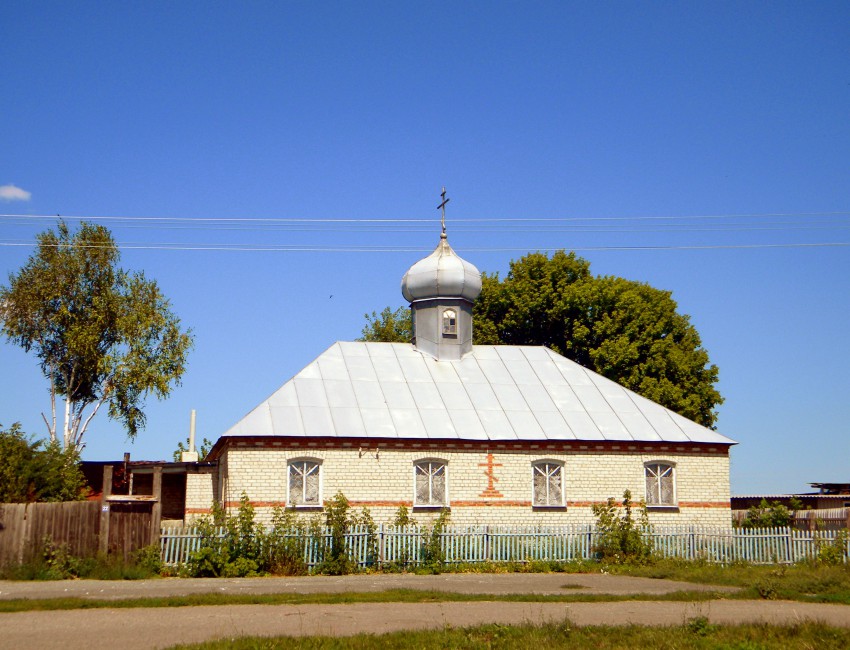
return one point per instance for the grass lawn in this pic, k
(390, 596)
(805, 582)
(697, 633)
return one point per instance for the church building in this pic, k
(496, 434)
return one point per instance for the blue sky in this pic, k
(621, 122)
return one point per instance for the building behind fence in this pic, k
(823, 519)
(405, 545)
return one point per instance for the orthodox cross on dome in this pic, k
(442, 207)
(491, 490)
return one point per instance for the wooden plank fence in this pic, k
(405, 545)
(26, 527)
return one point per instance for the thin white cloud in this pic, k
(13, 193)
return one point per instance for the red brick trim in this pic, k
(705, 504)
(381, 504)
(491, 504)
(483, 503)
(681, 504)
(257, 504)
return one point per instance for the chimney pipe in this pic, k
(192, 432)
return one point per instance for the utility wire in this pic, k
(410, 220)
(414, 249)
(667, 225)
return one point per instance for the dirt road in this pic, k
(465, 583)
(145, 628)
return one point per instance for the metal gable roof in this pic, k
(391, 390)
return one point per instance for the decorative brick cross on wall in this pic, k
(491, 490)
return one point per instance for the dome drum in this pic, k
(441, 289)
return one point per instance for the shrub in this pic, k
(149, 559)
(226, 542)
(619, 535)
(365, 521)
(403, 518)
(37, 470)
(335, 560)
(60, 564)
(237, 546)
(433, 557)
(404, 558)
(771, 515)
(284, 544)
(831, 553)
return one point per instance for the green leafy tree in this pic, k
(627, 331)
(389, 326)
(102, 335)
(203, 449)
(771, 514)
(35, 471)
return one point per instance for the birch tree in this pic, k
(104, 337)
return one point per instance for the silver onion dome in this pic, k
(443, 274)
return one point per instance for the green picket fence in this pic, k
(406, 545)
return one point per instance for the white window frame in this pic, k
(448, 328)
(291, 465)
(431, 464)
(550, 465)
(651, 470)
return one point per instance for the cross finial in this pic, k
(442, 207)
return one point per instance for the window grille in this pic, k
(430, 484)
(548, 481)
(304, 483)
(660, 485)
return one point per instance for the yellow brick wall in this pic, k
(201, 491)
(384, 480)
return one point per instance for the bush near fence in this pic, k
(402, 546)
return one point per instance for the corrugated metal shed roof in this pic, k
(390, 390)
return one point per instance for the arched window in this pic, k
(547, 483)
(430, 484)
(660, 483)
(449, 322)
(304, 483)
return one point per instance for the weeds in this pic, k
(700, 626)
(620, 538)
(335, 560)
(694, 634)
(433, 557)
(833, 552)
(235, 546)
(57, 562)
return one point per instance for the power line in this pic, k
(413, 249)
(665, 225)
(664, 228)
(412, 220)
